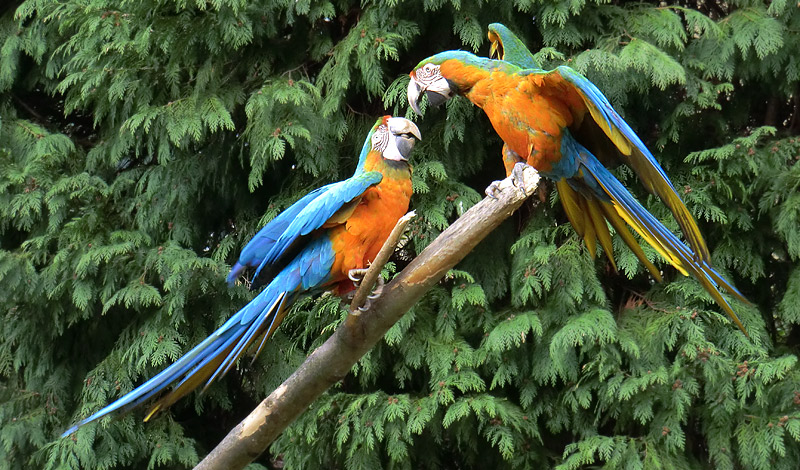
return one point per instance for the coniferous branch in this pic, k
(124, 202)
(330, 362)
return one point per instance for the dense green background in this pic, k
(143, 142)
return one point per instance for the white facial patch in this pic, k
(396, 131)
(381, 138)
(428, 74)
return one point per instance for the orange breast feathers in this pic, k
(527, 114)
(357, 241)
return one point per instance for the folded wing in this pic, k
(277, 243)
(630, 148)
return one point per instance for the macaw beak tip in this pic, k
(414, 92)
(406, 134)
(414, 130)
(399, 125)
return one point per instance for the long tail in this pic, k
(604, 198)
(210, 359)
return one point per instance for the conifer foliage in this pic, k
(143, 142)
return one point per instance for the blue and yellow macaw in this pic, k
(561, 124)
(317, 243)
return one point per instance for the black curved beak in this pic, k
(436, 99)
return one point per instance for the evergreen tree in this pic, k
(143, 142)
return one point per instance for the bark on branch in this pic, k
(330, 362)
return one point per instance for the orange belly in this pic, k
(357, 241)
(528, 120)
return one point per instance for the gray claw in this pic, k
(378, 290)
(518, 176)
(357, 275)
(492, 189)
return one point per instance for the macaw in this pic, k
(505, 45)
(562, 125)
(319, 242)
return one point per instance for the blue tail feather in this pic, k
(191, 363)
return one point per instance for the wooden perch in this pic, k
(381, 259)
(332, 361)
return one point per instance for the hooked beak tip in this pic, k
(415, 130)
(414, 93)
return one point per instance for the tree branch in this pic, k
(330, 362)
(377, 264)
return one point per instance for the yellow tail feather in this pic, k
(601, 229)
(627, 237)
(569, 199)
(653, 181)
(590, 235)
(664, 251)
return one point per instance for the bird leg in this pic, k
(492, 189)
(511, 162)
(357, 276)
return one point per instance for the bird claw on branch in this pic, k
(518, 176)
(493, 189)
(377, 290)
(357, 276)
(366, 278)
(519, 179)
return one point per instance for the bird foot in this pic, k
(523, 176)
(492, 189)
(518, 176)
(357, 276)
(377, 290)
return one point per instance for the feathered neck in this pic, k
(464, 69)
(393, 169)
(362, 158)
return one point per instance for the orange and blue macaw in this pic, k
(320, 242)
(562, 125)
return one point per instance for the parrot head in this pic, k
(394, 137)
(427, 79)
(447, 74)
(496, 33)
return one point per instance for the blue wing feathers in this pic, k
(263, 241)
(613, 119)
(633, 152)
(314, 215)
